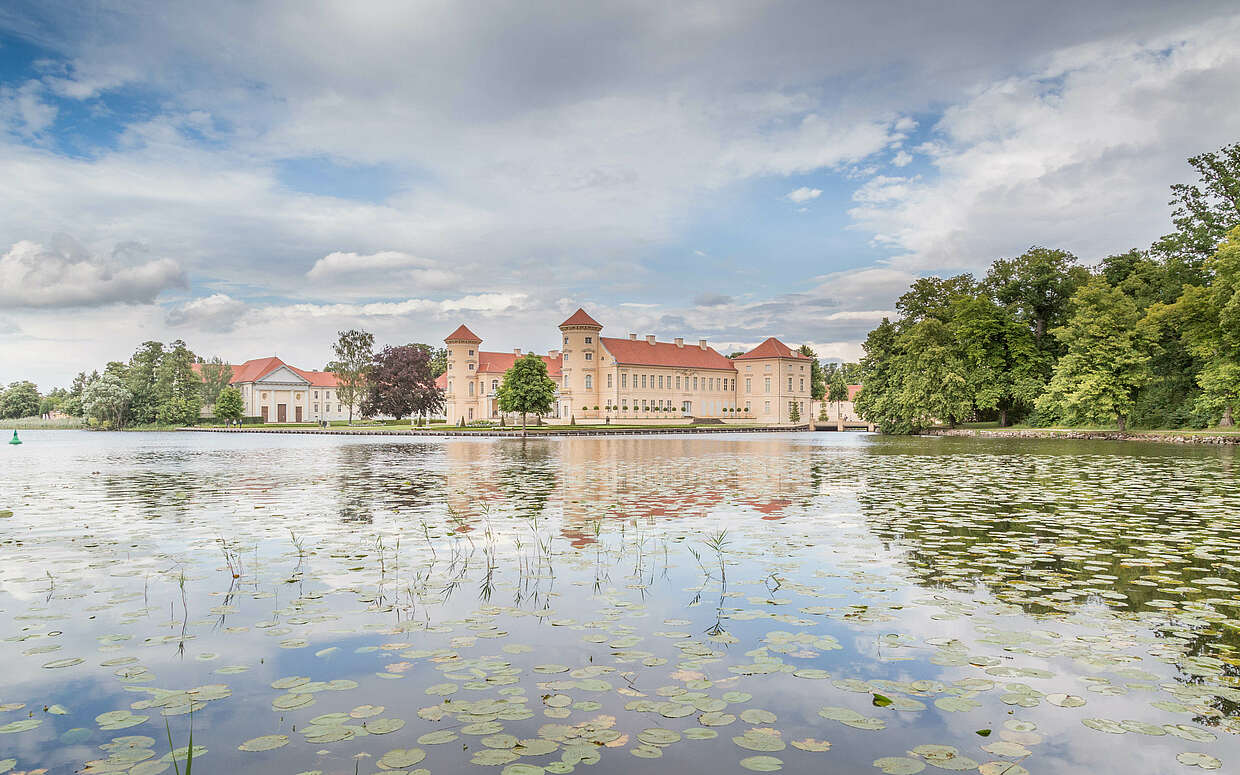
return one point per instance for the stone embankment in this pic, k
(1170, 437)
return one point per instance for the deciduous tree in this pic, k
(21, 399)
(354, 351)
(817, 377)
(229, 405)
(526, 388)
(216, 375)
(106, 400)
(402, 383)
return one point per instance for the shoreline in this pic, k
(600, 431)
(1165, 437)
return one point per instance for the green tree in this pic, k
(1106, 358)
(934, 386)
(229, 405)
(794, 411)
(881, 380)
(931, 298)
(837, 393)
(21, 399)
(178, 386)
(106, 400)
(1036, 286)
(141, 378)
(817, 377)
(1004, 370)
(216, 375)
(354, 351)
(1208, 319)
(1205, 211)
(526, 388)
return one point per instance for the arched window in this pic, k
(471, 387)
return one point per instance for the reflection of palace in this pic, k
(588, 479)
(599, 378)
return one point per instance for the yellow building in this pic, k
(601, 378)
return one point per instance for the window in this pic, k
(471, 387)
(316, 396)
(767, 408)
(695, 383)
(589, 382)
(494, 385)
(624, 380)
(316, 408)
(589, 356)
(338, 409)
(329, 395)
(643, 380)
(589, 340)
(608, 379)
(748, 385)
(768, 367)
(678, 383)
(790, 384)
(768, 385)
(566, 341)
(660, 380)
(746, 406)
(802, 384)
(624, 403)
(471, 352)
(471, 367)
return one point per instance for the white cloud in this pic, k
(64, 275)
(803, 194)
(381, 272)
(217, 312)
(901, 159)
(1077, 154)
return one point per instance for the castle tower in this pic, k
(462, 396)
(580, 391)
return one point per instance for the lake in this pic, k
(826, 603)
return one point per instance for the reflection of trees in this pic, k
(526, 473)
(389, 477)
(1052, 528)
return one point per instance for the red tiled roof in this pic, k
(641, 353)
(441, 381)
(853, 390)
(773, 348)
(498, 363)
(462, 334)
(580, 318)
(257, 368)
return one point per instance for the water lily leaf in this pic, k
(899, 765)
(762, 763)
(264, 743)
(1194, 759)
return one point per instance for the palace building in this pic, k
(277, 392)
(600, 378)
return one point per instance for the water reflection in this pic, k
(342, 605)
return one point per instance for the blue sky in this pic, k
(253, 180)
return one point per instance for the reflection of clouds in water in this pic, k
(872, 536)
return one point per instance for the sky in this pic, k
(253, 177)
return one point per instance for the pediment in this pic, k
(284, 375)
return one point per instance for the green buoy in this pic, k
(15, 440)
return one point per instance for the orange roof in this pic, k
(462, 334)
(773, 348)
(498, 363)
(639, 352)
(441, 381)
(580, 318)
(257, 368)
(853, 390)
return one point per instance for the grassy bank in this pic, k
(38, 423)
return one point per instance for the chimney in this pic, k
(680, 341)
(633, 337)
(650, 339)
(702, 343)
(516, 351)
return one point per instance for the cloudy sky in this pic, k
(255, 177)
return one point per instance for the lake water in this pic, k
(819, 603)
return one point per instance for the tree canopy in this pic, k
(526, 388)
(354, 355)
(401, 383)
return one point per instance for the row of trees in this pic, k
(1149, 338)
(396, 381)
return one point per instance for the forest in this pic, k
(1148, 338)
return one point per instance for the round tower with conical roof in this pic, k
(579, 392)
(462, 392)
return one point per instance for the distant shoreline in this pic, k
(1165, 437)
(533, 431)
